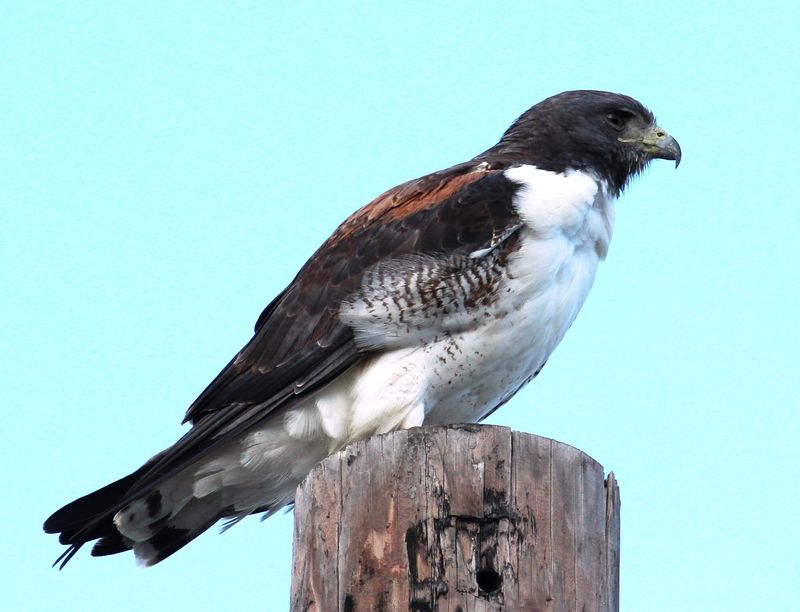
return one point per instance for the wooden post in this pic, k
(459, 519)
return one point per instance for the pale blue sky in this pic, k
(165, 168)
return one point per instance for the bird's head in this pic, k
(608, 133)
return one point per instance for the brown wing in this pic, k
(300, 343)
(299, 336)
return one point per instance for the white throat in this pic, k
(573, 206)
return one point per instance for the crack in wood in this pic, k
(470, 518)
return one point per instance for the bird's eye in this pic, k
(615, 120)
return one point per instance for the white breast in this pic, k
(568, 224)
(459, 377)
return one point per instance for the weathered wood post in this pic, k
(463, 518)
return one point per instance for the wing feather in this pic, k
(302, 325)
(301, 342)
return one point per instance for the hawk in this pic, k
(433, 304)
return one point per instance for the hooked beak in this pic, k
(660, 145)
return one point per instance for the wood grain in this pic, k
(462, 518)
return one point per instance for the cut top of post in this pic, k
(472, 517)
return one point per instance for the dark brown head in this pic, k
(607, 133)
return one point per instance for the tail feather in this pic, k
(108, 516)
(157, 513)
(111, 545)
(172, 535)
(91, 516)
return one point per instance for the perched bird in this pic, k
(433, 304)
